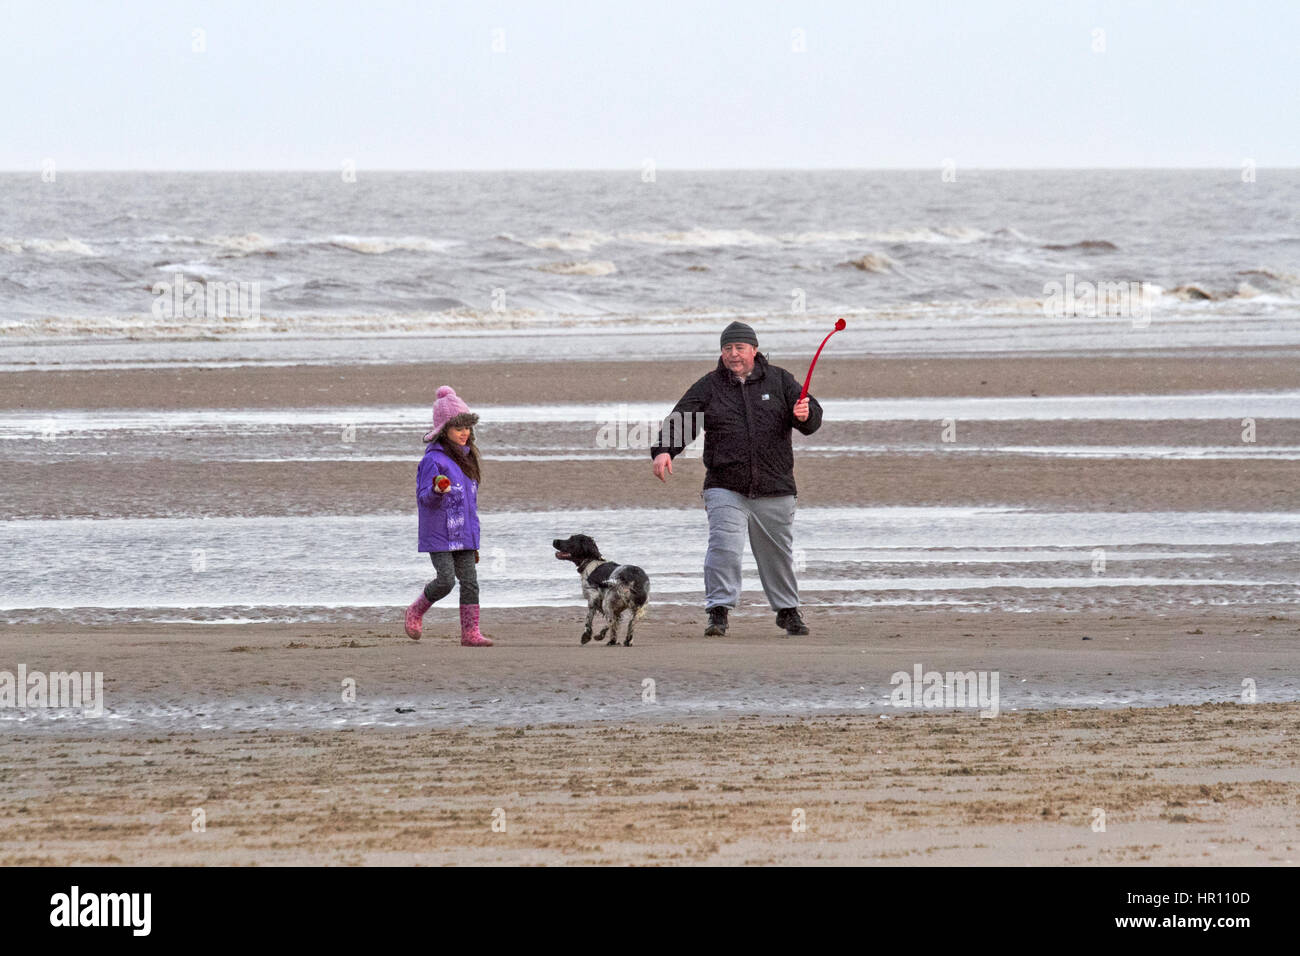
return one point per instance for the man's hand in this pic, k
(663, 466)
(801, 409)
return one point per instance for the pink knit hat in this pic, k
(447, 409)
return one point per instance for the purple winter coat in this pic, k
(448, 520)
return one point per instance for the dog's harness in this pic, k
(599, 576)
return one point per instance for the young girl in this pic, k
(447, 492)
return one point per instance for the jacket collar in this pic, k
(441, 453)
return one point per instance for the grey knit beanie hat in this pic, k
(738, 332)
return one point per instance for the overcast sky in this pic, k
(281, 84)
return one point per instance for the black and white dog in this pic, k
(611, 588)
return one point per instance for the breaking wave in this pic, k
(248, 244)
(586, 240)
(1195, 292)
(919, 234)
(1269, 274)
(871, 262)
(70, 246)
(378, 245)
(701, 237)
(238, 245)
(1086, 245)
(599, 267)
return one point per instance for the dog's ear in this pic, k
(585, 547)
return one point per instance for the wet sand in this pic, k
(1213, 785)
(107, 489)
(307, 386)
(1205, 784)
(1209, 649)
(1179, 786)
(1208, 784)
(106, 486)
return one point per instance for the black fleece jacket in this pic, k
(746, 428)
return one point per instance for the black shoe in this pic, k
(717, 622)
(789, 619)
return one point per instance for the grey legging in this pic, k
(453, 566)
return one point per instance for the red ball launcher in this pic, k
(839, 326)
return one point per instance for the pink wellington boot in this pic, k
(469, 633)
(415, 617)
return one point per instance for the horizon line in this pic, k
(667, 169)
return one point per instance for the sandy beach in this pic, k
(399, 778)
(1132, 705)
(1205, 787)
(573, 379)
(1214, 784)
(106, 486)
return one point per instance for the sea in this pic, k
(138, 269)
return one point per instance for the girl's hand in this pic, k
(441, 484)
(801, 410)
(476, 557)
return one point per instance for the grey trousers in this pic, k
(769, 523)
(453, 566)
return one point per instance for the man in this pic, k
(748, 408)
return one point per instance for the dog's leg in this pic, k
(631, 620)
(613, 626)
(591, 614)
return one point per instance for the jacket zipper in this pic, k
(749, 434)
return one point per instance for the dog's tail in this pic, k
(639, 585)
